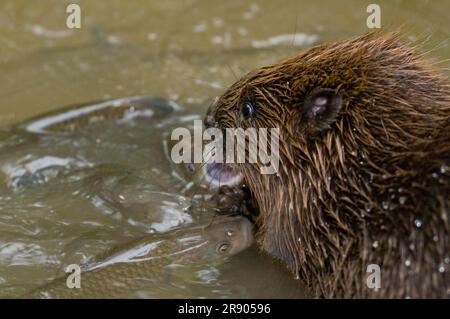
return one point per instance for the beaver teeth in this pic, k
(217, 174)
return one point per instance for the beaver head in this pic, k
(364, 149)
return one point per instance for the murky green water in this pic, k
(188, 51)
(73, 190)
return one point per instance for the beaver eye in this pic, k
(222, 248)
(247, 110)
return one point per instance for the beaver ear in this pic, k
(321, 108)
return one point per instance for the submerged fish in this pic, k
(153, 261)
(34, 152)
(77, 117)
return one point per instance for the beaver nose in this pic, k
(210, 118)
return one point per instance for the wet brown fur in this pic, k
(373, 188)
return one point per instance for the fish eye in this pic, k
(247, 110)
(191, 168)
(222, 247)
(229, 232)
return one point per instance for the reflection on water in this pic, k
(66, 197)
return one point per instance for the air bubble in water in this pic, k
(407, 262)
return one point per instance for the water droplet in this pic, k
(121, 197)
(435, 238)
(402, 200)
(360, 158)
(447, 260)
(401, 189)
(375, 244)
(412, 247)
(385, 205)
(441, 268)
(435, 175)
(418, 223)
(299, 240)
(444, 169)
(407, 262)
(367, 207)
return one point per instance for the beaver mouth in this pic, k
(233, 195)
(219, 174)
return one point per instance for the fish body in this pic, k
(153, 261)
